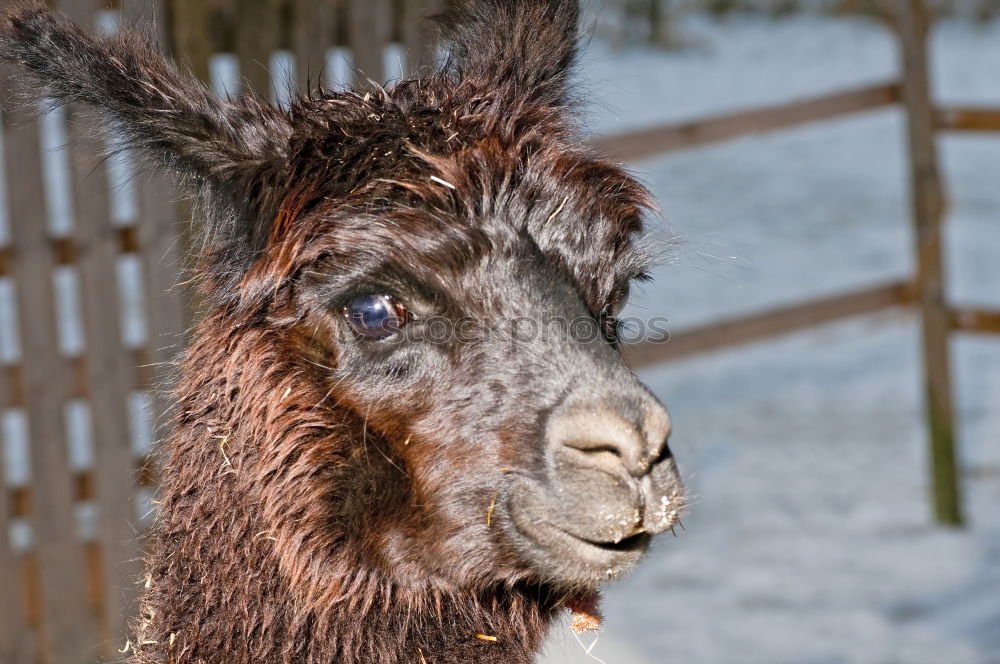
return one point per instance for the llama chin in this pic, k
(343, 481)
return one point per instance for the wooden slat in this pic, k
(15, 634)
(968, 119)
(728, 333)
(11, 620)
(256, 38)
(370, 31)
(68, 631)
(658, 140)
(16, 645)
(108, 369)
(14, 393)
(162, 238)
(31, 572)
(928, 209)
(109, 375)
(313, 35)
(419, 34)
(191, 42)
(977, 321)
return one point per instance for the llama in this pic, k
(343, 482)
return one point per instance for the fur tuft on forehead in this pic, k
(418, 167)
(355, 146)
(419, 157)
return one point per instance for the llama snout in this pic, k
(612, 466)
(610, 484)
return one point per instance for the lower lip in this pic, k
(599, 555)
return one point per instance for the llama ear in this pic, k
(233, 153)
(524, 48)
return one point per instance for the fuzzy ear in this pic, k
(524, 48)
(232, 152)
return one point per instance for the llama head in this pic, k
(442, 262)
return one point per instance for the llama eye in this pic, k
(375, 316)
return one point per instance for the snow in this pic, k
(810, 539)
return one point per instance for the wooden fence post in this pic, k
(109, 370)
(313, 34)
(68, 628)
(256, 37)
(370, 30)
(15, 634)
(191, 43)
(163, 239)
(418, 33)
(191, 46)
(928, 209)
(14, 630)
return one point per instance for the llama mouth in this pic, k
(559, 555)
(632, 543)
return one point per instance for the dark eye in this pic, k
(375, 316)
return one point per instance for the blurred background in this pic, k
(832, 377)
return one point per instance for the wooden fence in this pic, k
(925, 290)
(69, 524)
(72, 511)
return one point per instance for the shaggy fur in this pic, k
(328, 498)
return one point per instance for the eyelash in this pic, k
(612, 327)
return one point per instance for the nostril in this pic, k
(656, 425)
(610, 459)
(664, 454)
(600, 439)
(597, 453)
(593, 447)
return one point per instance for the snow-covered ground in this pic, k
(809, 541)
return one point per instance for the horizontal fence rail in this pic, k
(645, 143)
(769, 324)
(976, 321)
(656, 141)
(968, 119)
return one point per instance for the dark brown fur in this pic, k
(326, 499)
